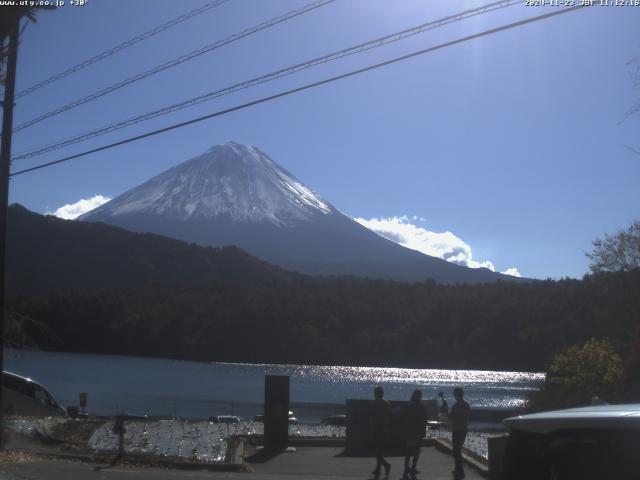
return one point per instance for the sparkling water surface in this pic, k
(199, 390)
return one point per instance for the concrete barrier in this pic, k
(358, 431)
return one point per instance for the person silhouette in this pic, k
(416, 428)
(444, 406)
(459, 416)
(380, 422)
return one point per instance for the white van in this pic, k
(596, 442)
(23, 396)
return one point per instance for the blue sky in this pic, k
(516, 143)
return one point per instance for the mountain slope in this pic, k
(233, 181)
(46, 253)
(236, 195)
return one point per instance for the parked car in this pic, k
(292, 420)
(335, 420)
(23, 396)
(225, 419)
(594, 442)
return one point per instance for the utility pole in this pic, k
(13, 25)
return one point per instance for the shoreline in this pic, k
(191, 441)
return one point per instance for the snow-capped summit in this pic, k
(232, 180)
(236, 195)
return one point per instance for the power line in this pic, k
(177, 61)
(304, 87)
(378, 42)
(120, 47)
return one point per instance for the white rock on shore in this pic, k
(201, 441)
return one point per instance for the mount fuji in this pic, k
(235, 194)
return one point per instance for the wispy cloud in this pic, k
(513, 271)
(73, 210)
(443, 245)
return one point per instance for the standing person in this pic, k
(459, 416)
(444, 406)
(380, 426)
(416, 428)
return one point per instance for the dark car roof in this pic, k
(592, 417)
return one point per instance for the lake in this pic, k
(197, 390)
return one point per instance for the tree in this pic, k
(617, 253)
(633, 66)
(579, 374)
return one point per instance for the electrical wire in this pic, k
(120, 47)
(304, 87)
(362, 47)
(177, 61)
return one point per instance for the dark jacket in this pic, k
(460, 416)
(380, 420)
(416, 418)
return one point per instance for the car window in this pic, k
(41, 395)
(28, 388)
(12, 383)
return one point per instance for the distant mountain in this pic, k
(236, 195)
(48, 253)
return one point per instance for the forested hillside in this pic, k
(95, 288)
(502, 326)
(46, 253)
